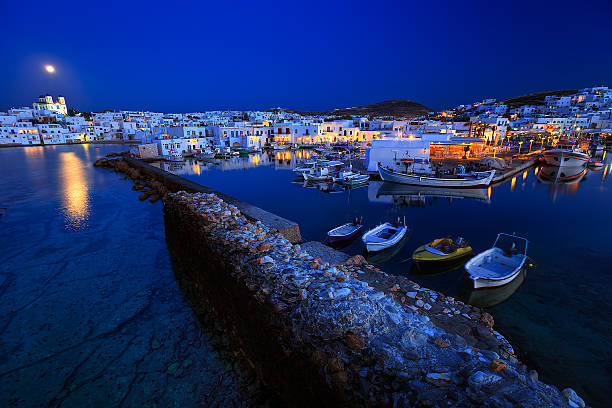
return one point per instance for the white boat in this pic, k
(383, 236)
(468, 180)
(345, 231)
(322, 170)
(500, 264)
(356, 179)
(318, 174)
(304, 167)
(566, 154)
(277, 147)
(174, 158)
(345, 174)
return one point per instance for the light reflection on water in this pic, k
(75, 190)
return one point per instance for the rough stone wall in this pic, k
(340, 335)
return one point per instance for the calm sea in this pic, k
(558, 319)
(91, 313)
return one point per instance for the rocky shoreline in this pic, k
(344, 333)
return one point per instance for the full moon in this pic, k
(50, 68)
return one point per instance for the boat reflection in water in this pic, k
(489, 297)
(562, 180)
(380, 257)
(417, 196)
(562, 175)
(322, 186)
(438, 268)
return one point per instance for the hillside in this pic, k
(393, 108)
(536, 98)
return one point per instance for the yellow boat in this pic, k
(442, 249)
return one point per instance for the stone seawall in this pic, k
(319, 332)
(342, 334)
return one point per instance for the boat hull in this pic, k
(422, 255)
(481, 283)
(339, 238)
(565, 158)
(380, 246)
(417, 180)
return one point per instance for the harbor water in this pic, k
(93, 314)
(557, 316)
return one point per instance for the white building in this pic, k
(46, 103)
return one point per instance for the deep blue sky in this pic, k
(178, 56)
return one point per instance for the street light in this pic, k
(530, 143)
(520, 143)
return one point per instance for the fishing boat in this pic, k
(356, 180)
(345, 231)
(344, 174)
(175, 158)
(467, 180)
(500, 264)
(205, 154)
(442, 250)
(566, 154)
(322, 170)
(279, 147)
(384, 236)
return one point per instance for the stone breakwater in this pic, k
(334, 334)
(344, 334)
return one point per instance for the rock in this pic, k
(497, 365)
(172, 368)
(103, 162)
(439, 379)
(487, 320)
(356, 260)
(264, 247)
(154, 198)
(533, 375)
(266, 260)
(479, 379)
(354, 342)
(440, 342)
(339, 380)
(574, 399)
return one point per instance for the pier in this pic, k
(319, 327)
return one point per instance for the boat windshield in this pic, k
(511, 244)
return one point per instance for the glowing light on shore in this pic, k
(50, 68)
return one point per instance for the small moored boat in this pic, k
(384, 236)
(345, 231)
(441, 250)
(174, 158)
(500, 264)
(356, 180)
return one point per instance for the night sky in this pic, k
(184, 57)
